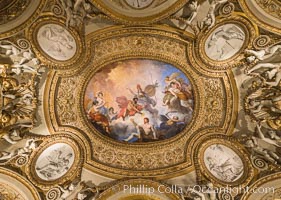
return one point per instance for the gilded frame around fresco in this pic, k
(121, 159)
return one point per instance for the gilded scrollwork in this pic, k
(11, 10)
(138, 160)
(273, 195)
(16, 15)
(19, 156)
(272, 7)
(119, 45)
(258, 17)
(16, 184)
(261, 41)
(227, 9)
(214, 102)
(212, 51)
(134, 4)
(143, 43)
(259, 163)
(117, 190)
(66, 98)
(129, 12)
(214, 55)
(63, 192)
(270, 185)
(9, 193)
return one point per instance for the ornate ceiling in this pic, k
(140, 99)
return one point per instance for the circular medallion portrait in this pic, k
(139, 101)
(223, 163)
(224, 42)
(54, 161)
(56, 42)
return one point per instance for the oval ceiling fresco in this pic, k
(139, 101)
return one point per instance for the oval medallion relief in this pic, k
(54, 161)
(224, 42)
(223, 163)
(56, 42)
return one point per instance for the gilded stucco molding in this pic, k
(146, 17)
(214, 87)
(265, 184)
(258, 20)
(9, 193)
(11, 10)
(35, 12)
(272, 7)
(123, 159)
(144, 188)
(25, 183)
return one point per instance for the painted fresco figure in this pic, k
(128, 107)
(177, 95)
(145, 100)
(100, 104)
(145, 132)
(169, 126)
(126, 102)
(98, 113)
